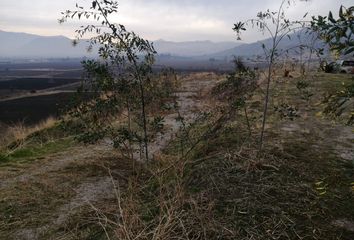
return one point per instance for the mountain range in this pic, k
(19, 45)
(293, 45)
(192, 48)
(24, 45)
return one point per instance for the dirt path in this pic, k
(92, 189)
(54, 163)
(189, 100)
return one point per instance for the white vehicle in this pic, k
(344, 66)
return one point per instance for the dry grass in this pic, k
(19, 132)
(222, 189)
(233, 193)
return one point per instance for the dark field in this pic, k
(31, 110)
(70, 64)
(16, 73)
(36, 83)
(55, 81)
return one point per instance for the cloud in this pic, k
(176, 20)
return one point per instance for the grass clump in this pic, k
(32, 151)
(19, 132)
(32, 143)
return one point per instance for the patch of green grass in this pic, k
(37, 145)
(35, 151)
(330, 82)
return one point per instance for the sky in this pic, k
(174, 20)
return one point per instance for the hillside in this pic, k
(242, 131)
(193, 48)
(206, 180)
(11, 41)
(290, 43)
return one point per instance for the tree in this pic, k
(277, 26)
(339, 35)
(119, 79)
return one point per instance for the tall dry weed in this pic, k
(19, 131)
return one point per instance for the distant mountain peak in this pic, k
(24, 45)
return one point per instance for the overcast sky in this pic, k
(176, 20)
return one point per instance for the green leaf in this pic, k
(349, 50)
(341, 15)
(330, 18)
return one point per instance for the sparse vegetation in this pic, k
(221, 189)
(277, 26)
(171, 155)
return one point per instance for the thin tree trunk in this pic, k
(130, 130)
(270, 68)
(269, 77)
(248, 122)
(143, 113)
